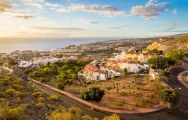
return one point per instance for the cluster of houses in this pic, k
(115, 67)
(38, 61)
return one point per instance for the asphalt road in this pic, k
(180, 113)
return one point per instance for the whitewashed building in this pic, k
(92, 72)
(131, 66)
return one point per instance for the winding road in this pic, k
(180, 113)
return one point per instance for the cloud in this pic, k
(168, 29)
(68, 29)
(5, 5)
(34, 3)
(23, 15)
(94, 22)
(150, 10)
(119, 27)
(99, 9)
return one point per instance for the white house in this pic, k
(45, 60)
(92, 72)
(25, 64)
(131, 66)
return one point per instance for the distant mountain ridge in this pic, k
(171, 42)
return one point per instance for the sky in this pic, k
(92, 18)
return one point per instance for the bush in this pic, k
(166, 73)
(158, 62)
(175, 54)
(43, 80)
(94, 93)
(168, 95)
(12, 92)
(37, 94)
(61, 86)
(54, 97)
(112, 117)
(40, 105)
(7, 113)
(64, 114)
(41, 99)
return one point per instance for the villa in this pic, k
(92, 72)
(130, 65)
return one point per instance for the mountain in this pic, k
(171, 42)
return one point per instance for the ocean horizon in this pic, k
(12, 44)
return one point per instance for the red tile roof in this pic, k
(91, 68)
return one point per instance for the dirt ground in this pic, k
(129, 93)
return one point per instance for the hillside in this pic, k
(169, 43)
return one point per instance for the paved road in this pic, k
(180, 113)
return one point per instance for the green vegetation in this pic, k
(112, 117)
(106, 51)
(65, 71)
(168, 95)
(155, 52)
(175, 54)
(93, 93)
(72, 113)
(165, 72)
(158, 62)
(10, 113)
(20, 101)
(61, 86)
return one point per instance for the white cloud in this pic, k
(99, 9)
(65, 29)
(5, 5)
(150, 10)
(34, 3)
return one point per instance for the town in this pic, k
(130, 79)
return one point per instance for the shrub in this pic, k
(41, 99)
(37, 94)
(54, 97)
(61, 86)
(40, 105)
(7, 113)
(112, 117)
(12, 92)
(94, 93)
(158, 62)
(44, 80)
(168, 95)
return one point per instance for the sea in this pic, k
(7, 45)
